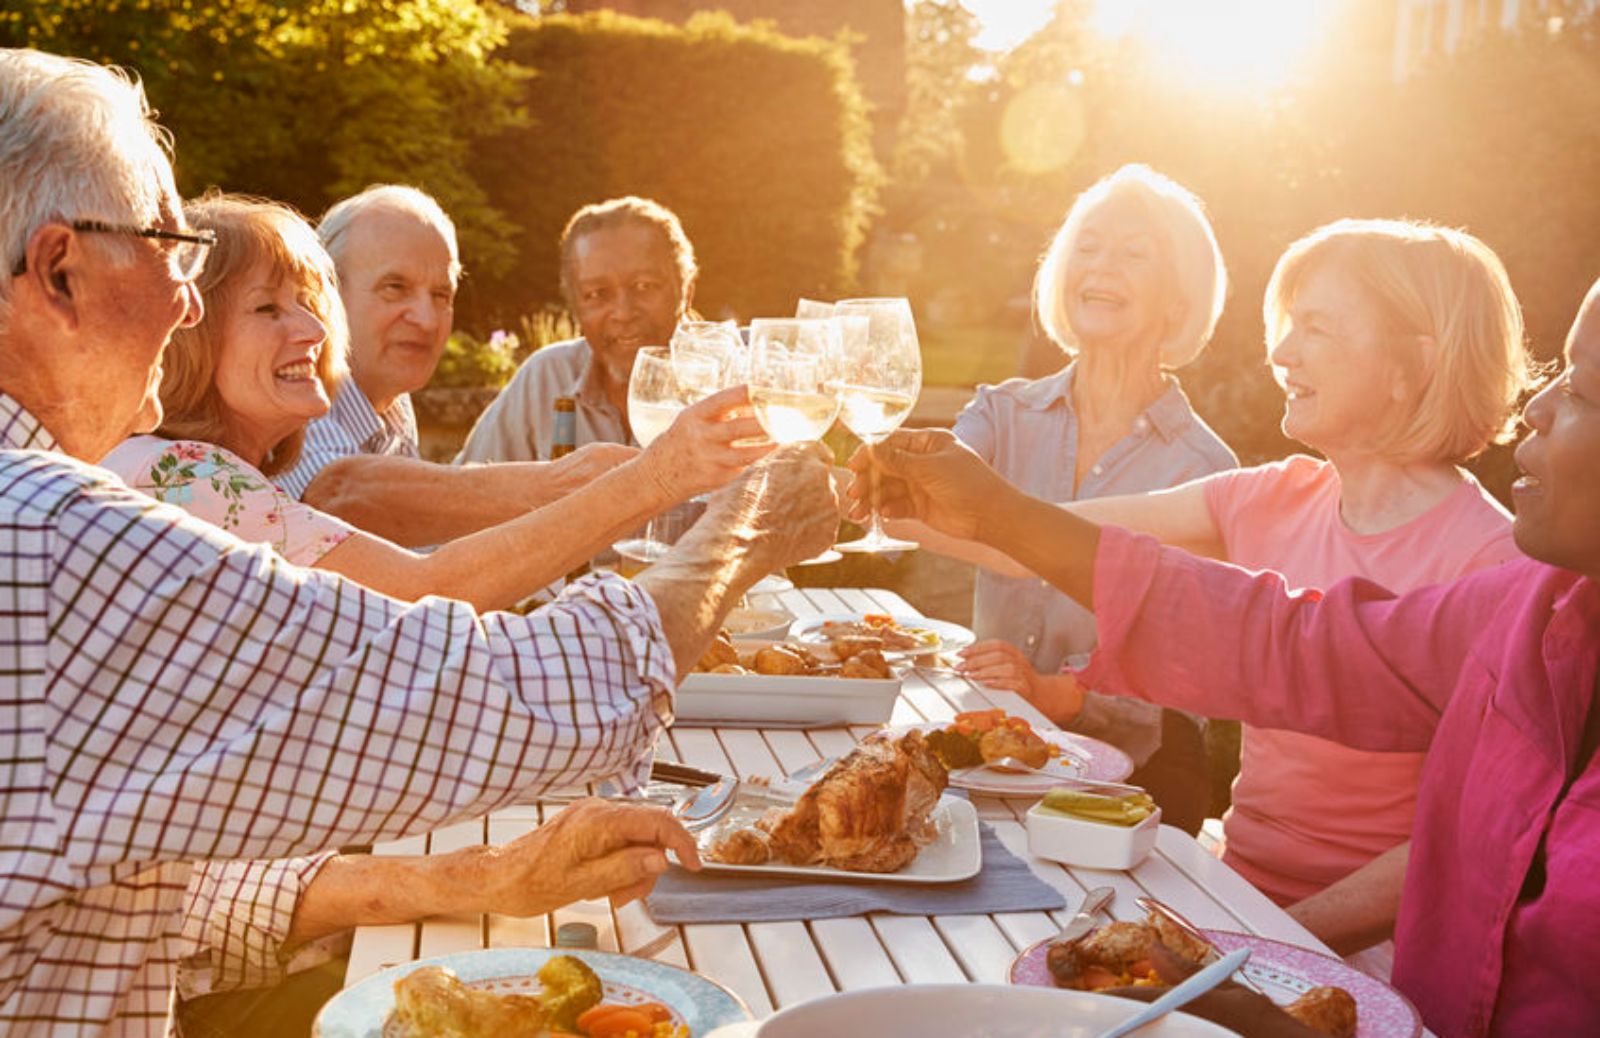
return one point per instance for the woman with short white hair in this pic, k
(1130, 288)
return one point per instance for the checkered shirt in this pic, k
(169, 693)
(352, 427)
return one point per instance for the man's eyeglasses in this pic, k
(186, 258)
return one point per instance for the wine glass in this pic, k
(708, 356)
(791, 376)
(654, 400)
(791, 382)
(878, 377)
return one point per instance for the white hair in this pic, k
(1187, 244)
(334, 228)
(77, 141)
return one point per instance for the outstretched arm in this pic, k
(1178, 516)
(419, 503)
(1366, 668)
(498, 567)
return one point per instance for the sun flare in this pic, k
(1245, 44)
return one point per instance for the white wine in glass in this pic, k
(791, 376)
(654, 402)
(791, 382)
(879, 375)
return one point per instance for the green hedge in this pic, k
(758, 141)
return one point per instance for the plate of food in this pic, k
(967, 744)
(743, 681)
(878, 812)
(1318, 990)
(894, 636)
(532, 991)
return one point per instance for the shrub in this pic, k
(759, 142)
(468, 362)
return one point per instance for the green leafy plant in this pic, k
(470, 362)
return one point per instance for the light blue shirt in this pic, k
(1028, 432)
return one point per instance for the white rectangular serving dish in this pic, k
(1093, 845)
(954, 855)
(784, 699)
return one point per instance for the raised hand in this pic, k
(709, 443)
(781, 510)
(930, 475)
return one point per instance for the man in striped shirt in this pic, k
(169, 693)
(395, 251)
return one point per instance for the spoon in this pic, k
(1182, 994)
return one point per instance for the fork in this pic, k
(1177, 919)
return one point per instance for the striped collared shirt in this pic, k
(352, 427)
(169, 693)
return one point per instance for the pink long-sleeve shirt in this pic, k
(1493, 675)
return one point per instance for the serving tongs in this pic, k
(712, 796)
(1181, 922)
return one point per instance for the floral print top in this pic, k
(222, 488)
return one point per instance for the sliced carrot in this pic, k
(658, 1013)
(616, 1023)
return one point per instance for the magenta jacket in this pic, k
(1494, 675)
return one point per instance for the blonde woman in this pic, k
(1399, 347)
(240, 387)
(1130, 288)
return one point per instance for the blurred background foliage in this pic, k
(945, 188)
(758, 141)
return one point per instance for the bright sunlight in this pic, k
(1006, 23)
(1243, 44)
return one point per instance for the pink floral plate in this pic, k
(1283, 972)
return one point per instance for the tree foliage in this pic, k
(307, 100)
(758, 141)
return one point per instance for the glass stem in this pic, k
(874, 523)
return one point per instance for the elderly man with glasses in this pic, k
(169, 693)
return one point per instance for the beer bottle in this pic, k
(565, 440)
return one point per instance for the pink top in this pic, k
(1493, 675)
(225, 490)
(1307, 811)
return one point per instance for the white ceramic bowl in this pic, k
(967, 1011)
(1094, 845)
(766, 623)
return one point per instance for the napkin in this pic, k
(1004, 884)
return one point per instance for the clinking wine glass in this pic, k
(791, 380)
(654, 400)
(708, 356)
(878, 377)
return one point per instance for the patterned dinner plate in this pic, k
(1283, 972)
(362, 1010)
(1078, 756)
(932, 635)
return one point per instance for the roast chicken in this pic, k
(870, 812)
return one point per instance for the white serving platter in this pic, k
(782, 699)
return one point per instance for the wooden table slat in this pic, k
(854, 954)
(721, 951)
(793, 966)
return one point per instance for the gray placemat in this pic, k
(1004, 884)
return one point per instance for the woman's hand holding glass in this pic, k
(879, 375)
(709, 442)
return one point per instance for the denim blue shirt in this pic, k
(1027, 430)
